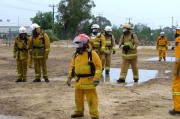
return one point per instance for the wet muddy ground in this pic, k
(55, 100)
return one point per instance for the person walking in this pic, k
(87, 67)
(129, 43)
(97, 41)
(176, 79)
(162, 46)
(110, 48)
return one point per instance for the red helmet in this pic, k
(80, 40)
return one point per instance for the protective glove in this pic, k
(69, 82)
(126, 48)
(95, 82)
(114, 52)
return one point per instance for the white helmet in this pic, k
(108, 28)
(22, 29)
(162, 34)
(178, 27)
(34, 26)
(95, 26)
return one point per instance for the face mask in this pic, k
(22, 36)
(107, 33)
(34, 33)
(95, 31)
(125, 30)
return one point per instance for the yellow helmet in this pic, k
(126, 25)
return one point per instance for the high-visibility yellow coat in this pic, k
(176, 80)
(98, 43)
(162, 43)
(132, 42)
(21, 48)
(81, 66)
(40, 46)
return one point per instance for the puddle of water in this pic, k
(168, 59)
(10, 117)
(144, 75)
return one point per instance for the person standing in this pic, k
(110, 48)
(21, 47)
(129, 43)
(87, 67)
(176, 79)
(30, 58)
(40, 51)
(97, 41)
(162, 46)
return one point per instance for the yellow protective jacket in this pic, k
(132, 41)
(98, 43)
(177, 49)
(162, 43)
(110, 44)
(21, 48)
(80, 66)
(40, 46)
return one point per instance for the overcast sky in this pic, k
(153, 13)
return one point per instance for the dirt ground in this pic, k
(55, 100)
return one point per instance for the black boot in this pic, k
(95, 118)
(107, 71)
(46, 80)
(18, 80)
(76, 115)
(121, 81)
(173, 112)
(37, 80)
(136, 80)
(24, 80)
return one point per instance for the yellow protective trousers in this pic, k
(22, 69)
(125, 66)
(106, 61)
(92, 99)
(176, 87)
(162, 53)
(30, 61)
(40, 64)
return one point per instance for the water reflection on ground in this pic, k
(144, 75)
(168, 59)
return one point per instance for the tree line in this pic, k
(74, 16)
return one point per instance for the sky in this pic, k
(153, 13)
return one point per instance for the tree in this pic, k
(73, 13)
(44, 20)
(101, 21)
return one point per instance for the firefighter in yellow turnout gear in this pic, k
(87, 67)
(40, 52)
(129, 43)
(97, 40)
(30, 59)
(110, 47)
(21, 47)
(176, 79)
(162, 46)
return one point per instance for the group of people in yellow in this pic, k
(92, 56)
(36, 47)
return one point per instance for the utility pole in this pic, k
(99, 16)
(129, 19)
(52, 16)
(172, 28)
